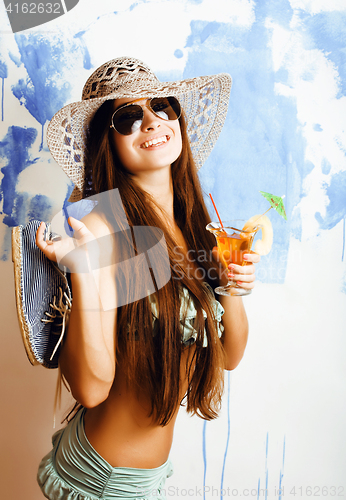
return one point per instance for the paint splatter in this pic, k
(326, 31)
(336, 209)
(15, 59)
(15, 148)
(86, 56)
(178, 54)
(326, 166)
(134, 5)
(18, 208)
(39, 208)
(40, 93)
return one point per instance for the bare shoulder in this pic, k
(97, 223)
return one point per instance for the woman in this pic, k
(130, 367)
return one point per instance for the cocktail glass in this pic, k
(232, 244)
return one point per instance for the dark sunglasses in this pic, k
(128, 118)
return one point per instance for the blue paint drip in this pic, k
(204, 456)
(3, 70)
(282, 471)
(266, 469)
(258, 488)
(43, 62)
(2, 98)
(283, 453)
(228, 432)
(3, 75)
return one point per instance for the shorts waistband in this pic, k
(79, 465)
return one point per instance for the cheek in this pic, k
(179, 143)
(121, 143)
(179, 149)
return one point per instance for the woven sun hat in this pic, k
(203, 99)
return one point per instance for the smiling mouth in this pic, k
(155, 142)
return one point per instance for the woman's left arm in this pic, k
(234, 320)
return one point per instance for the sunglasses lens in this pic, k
(128, 119)
(167, 108)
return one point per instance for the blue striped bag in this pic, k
(43, 297)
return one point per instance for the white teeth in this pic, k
(153, 142)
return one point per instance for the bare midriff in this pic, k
(121, 431)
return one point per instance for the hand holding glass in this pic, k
(232, 244)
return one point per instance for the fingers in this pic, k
(40, 240)
(40, 235)
(243, 273)
(244, 276)
(47, 247)
(252, 257)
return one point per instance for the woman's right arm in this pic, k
(87, 357)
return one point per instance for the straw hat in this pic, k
(204, 101)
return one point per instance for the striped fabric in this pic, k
(41, 287)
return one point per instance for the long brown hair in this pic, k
(153, 357)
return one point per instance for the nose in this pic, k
(150, 120)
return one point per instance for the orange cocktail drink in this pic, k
(233, 242)
(232, 248)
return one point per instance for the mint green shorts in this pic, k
(73, 470)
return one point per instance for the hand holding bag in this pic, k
(43, 296)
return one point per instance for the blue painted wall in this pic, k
(262, 146)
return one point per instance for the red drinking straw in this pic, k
(217, 213)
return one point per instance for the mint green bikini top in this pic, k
(188, 314)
